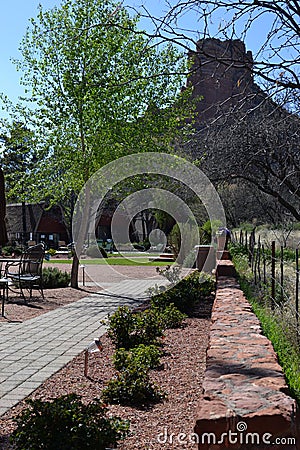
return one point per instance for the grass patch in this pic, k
(288, 356)
(114, 261)
(273, 329)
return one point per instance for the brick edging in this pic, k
(244, 386)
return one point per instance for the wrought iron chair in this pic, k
(4, 282)
(28, 271)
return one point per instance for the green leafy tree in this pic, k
(96, 90)
(17, 159)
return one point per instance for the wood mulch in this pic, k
(180, 376)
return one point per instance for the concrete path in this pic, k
(32, 351)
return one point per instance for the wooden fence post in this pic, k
(251, 248)
(264, 264)
(297, 291)
(273, 275)
(281, 274)
(258, 261)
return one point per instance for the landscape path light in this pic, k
(93, 347)
(82, 266)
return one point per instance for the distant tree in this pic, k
(262, 149)
(3, 231)
(18, 159)
(97, 90)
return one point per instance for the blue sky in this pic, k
(15, 15)
(14, 21)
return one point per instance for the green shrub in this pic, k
(174, 239)
(127, 329)
(208, 230)
(121, 325)
(141, 356)
(132, 385)
(10, 250)
(201, 283)
(55, 278)
(205, 233)
(67, 424)
(236, 249)
(187, 292)
(171, 317)
(148, 327)
(131, 388)
(51, 251)
(94, 251)
(146, 244)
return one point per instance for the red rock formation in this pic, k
(221, 73)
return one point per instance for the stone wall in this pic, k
(246, 402)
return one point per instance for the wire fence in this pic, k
(276, 273)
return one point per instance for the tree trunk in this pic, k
(74, 272)
(83, 218)
(3, 231)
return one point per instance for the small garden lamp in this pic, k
(93, 347)
(82, 266)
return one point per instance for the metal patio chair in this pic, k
(27, 273)
(4, 282)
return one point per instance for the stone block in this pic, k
(226, 268)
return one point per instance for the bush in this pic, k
(187, 292)
(142, 356)
(127, 329)
(205, 233)
(55, 278)
(131, 388)
(67, 424)
(201, 284)
(121, 325)
(148, 327)
(146, 244)
(171, 317)
(237, 249)
(170, 273)
(51, 251)
(132, 385)
(10, 250)
(94, 251)
(135, 336)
